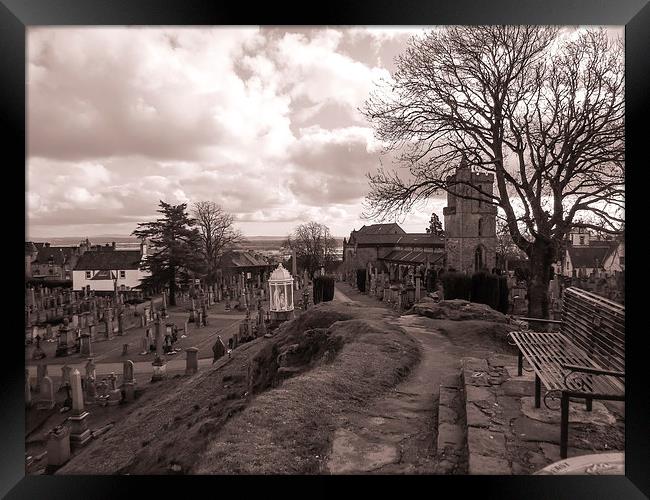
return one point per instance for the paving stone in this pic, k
(502, 360)
(484, 442)
(527, 429)
(479, 394)
(475, 378)
(450, 435)
(483, 465)
(474, 364)
(518, 387)
(475, 417)
(550, 451)
(451, 380)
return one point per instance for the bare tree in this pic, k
(218, 234)
(542, 111)
(314, 245)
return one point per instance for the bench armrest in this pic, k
(539, 320)
(593, 371)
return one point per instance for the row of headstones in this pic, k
(400, 296)
(91, 306)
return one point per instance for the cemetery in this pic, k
(206, 410)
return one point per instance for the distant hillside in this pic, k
(251, 242)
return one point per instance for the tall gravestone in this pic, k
(79, 432)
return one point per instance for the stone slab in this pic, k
(450, 435)
(475, 417)
(474, 393)
(599, 415)
(474, 364)
(486, 465)
(518, 387)
(528, 429)
(487, 443)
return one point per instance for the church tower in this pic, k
(470, 225)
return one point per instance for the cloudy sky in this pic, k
(262, 121)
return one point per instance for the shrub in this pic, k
(456, 285)
(485, 289)
(323, 289)
(431, 280)
(504, 295)
(361, 280)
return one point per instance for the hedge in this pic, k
(361, 280)
(323, 289)
(456, 285)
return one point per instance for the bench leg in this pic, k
(520, 364)
(589, 403)
(538, 391)
(564, 425)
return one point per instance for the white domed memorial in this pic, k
(281, 294)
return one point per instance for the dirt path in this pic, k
(397, 434)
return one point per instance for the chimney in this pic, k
(113, 245)
(143, 249)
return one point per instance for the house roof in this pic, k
(391, 228)
(117, 259)
(30, 248)
(243, 258)
(588, 256)
(104, 275)
(413, 257)
(56, 255)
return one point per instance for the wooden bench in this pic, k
(585, 359)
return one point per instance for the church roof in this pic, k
(413, 257)
(409, 239)
(391, 228)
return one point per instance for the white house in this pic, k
(103, 269)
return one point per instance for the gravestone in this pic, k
(58, 446)
(86, 348)
(41, 371)
(65, 376)
(128, 380)
(28, 390)
(79, 432)
(192, 362)
(46, 400)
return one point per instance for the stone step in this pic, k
(485, 425)
(451, 454)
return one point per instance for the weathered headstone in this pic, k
(28, 390)
(86, 348)
(128, 380)
(65, 376)
(46, 401)
(192, 362)
(58, 446)
(79, 432)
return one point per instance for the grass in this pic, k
(289, 429)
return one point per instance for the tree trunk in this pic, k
(541, 258)
(172, 287)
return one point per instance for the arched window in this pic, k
(480, 227)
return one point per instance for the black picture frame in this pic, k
(16, 15)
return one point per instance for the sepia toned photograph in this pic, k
(325, 250)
